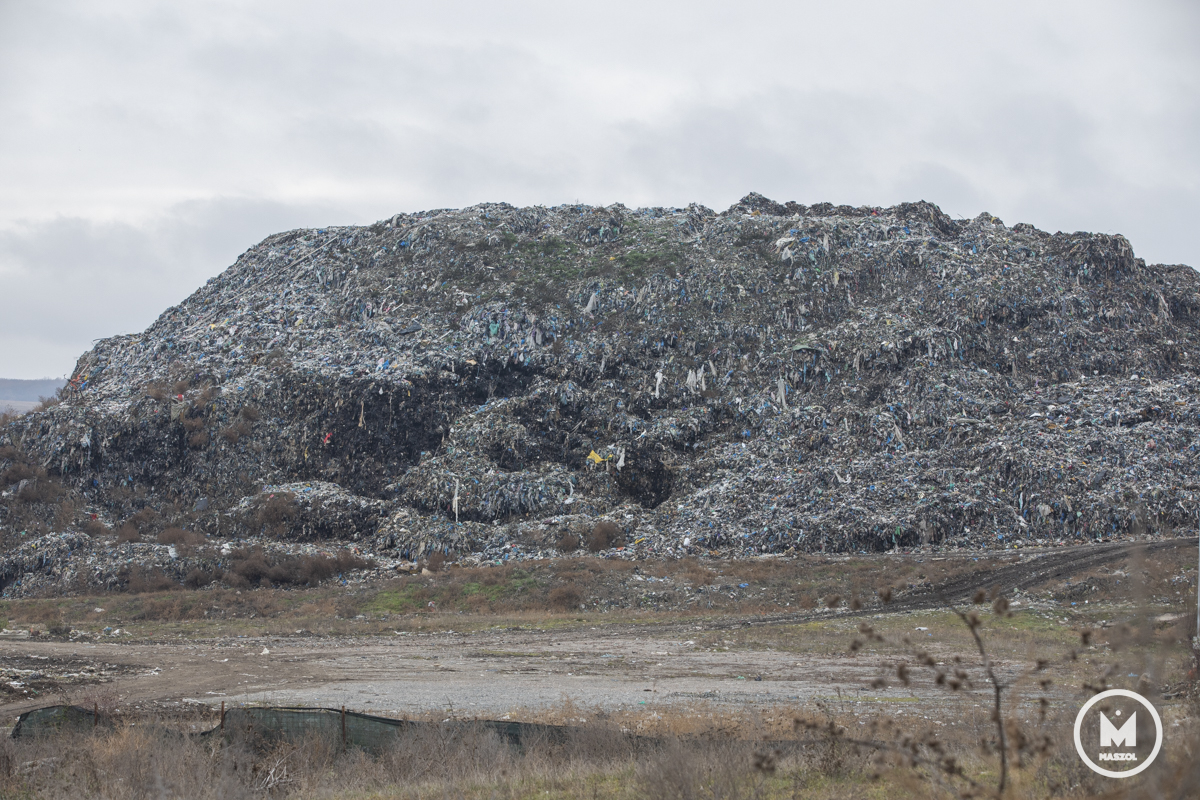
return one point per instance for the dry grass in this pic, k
(612, 590)
(685, 753)
(565, 598)
(696, 574)
(598, 757)
(826, 749)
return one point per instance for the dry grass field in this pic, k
(770, 678)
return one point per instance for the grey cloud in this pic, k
(124, 121)
(70, 280)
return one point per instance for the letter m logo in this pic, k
(1112, 736)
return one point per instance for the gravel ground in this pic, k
(489, 674)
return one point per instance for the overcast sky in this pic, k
(143, 146)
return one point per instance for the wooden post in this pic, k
(95, 714)
(343, 727)
(222, 716)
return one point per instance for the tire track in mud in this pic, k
(1034, 571)
(1028, 574)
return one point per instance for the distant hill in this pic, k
(16, 406)
(28, 391)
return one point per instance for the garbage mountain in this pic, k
(495, 381)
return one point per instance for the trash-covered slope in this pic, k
(765, 378)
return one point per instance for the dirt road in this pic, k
(1030, 569)
(498, 671)
(484, 674)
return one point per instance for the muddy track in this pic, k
(1033, 570)
(1030, 573)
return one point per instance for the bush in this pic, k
(235, 431)
(46, 403)
(250, 413)
(248, 567)
(253, 568)
(17, 473)
(565, 598)
(193, 420)
(94, 527)
(568, 542)
(275, 515)
(198, 441)
(64, 517)
(147, 521)
(142, 580)
(199, 578)
(179, 536)
(307, 570)
(606, 534)
(41, 490)
(347, 561)
(128, 533)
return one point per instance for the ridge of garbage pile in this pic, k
(773, 378)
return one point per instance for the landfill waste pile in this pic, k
(497, 382)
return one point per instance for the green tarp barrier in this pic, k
(56, 719)
(293, 724)
(366, 731)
